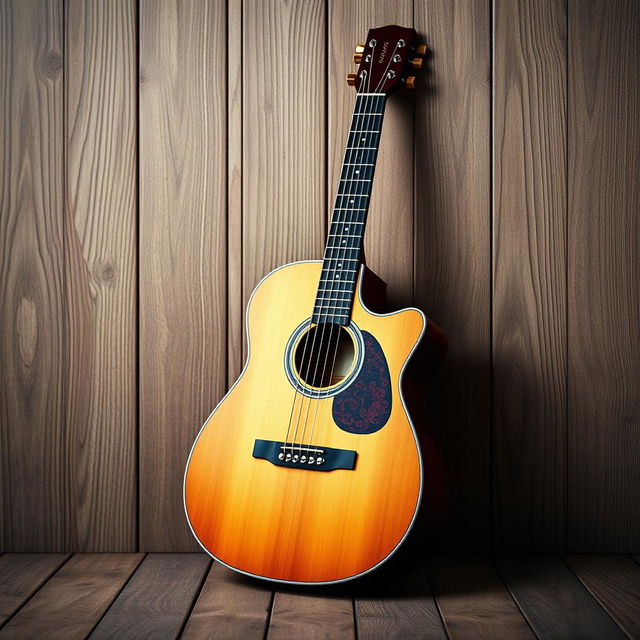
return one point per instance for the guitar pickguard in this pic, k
(365, 405)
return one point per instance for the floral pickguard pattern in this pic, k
(365, 405)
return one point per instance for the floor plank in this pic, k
(72, 601)
(312, 616)
(553, 600)
(615, 581)
(21, 575)
(229, 606)
(157, 599)
(473, 601)
(411, 611)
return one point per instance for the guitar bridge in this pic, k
(303, 456)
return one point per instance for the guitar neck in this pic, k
(341, 260)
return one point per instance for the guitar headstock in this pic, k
(386, 59)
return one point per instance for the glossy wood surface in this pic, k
(295, 524)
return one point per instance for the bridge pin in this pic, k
(303, 459)
(288, 457)
(281, 456)
(296, 457)
(319, 460)
(311, 459)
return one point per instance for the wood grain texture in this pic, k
(35, 487)
(21, 575)
(73, 600)
(229, 606)
(614, 580)
(270, 520)
(389, 235)
(553, 600)
(312, 616)
(604, 277)
(452, 253)
(157, 599)
(405, 610)
(473, 601)
(529, 274)
(283, 163)
(183, 259)
(100, 241)
(236, 341)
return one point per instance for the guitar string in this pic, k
(361, 125)
(378, 133)
(361, 121)
(349, 153)
(297, 393)
(331, 272)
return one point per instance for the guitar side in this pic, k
(304, 525)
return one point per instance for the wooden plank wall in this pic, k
(157, 159)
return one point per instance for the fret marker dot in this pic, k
(351, 201)
(363, 139)
(357, 170)
(346, 228)
(344, 242)
(337, 277)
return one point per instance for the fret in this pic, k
(341, 262)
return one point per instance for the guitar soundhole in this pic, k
(324, 355)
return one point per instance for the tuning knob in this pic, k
(416, 63)
(410, 82)
(351, 79)
(357, 58)
(359, 48)
(421, 50)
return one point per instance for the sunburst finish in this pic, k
(300, 525)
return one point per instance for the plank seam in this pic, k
(567, 521)
(117, 595)
(594, 596)
(435, 599)
(45, 581)
(267, 622)
(513, 597)
(195, 598)
(137, 301)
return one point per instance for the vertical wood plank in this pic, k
(100, 227)
(74, 599)
(283, 170)
(236, 342)
(452, 251)
(529, 274)
(389, 235)
(35, 489)
(183, 260)
(604, 277)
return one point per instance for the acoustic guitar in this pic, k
(310, 470)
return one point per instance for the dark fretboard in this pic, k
(341, 260)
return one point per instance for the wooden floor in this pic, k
(186, 595)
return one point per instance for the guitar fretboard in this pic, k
(341, 261)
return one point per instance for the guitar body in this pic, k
(301, 522)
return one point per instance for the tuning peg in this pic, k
(421, 50)
(357, 58)
(351, 79)
(359, 48)
(410, 82)
(416, 63)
